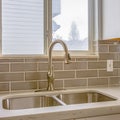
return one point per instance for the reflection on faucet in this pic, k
(50, 74)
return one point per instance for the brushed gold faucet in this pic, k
(50, 74)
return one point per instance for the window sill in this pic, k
(54, 56)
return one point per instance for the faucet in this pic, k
(50, 74)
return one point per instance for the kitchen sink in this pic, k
(65, 98)
(85, 97)
(30, 102)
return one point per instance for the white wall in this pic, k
(111, 18)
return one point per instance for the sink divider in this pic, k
(58, 100)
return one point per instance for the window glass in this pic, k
(70, 23)
(22, 26)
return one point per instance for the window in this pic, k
(28, 26)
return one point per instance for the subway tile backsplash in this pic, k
(21, 73)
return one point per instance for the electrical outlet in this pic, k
(109, 65)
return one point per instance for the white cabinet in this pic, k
(111, 18)
(108, 117)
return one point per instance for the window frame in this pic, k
(94, 29)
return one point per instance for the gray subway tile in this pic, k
(97, 65)
(15, 67)
(35, 75)
(97, 81)
(4, 87)
(11, 77)
(86, 73)
(75, 83)
(23, 85)
(104, 73)
(64, 74)
(4, 67)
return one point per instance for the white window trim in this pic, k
(1, 28)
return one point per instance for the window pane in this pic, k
(22, 26)
(70, 23)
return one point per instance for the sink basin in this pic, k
(85, 97)
(29, 102)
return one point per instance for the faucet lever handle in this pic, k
(67, 58)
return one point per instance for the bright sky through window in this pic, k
(72, 21)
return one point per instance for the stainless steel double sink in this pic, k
(61, 99)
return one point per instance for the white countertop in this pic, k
(64, 112)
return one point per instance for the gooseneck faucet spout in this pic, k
(50, 74)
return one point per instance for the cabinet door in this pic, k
(108, 117)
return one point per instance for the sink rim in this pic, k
(54, 93)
